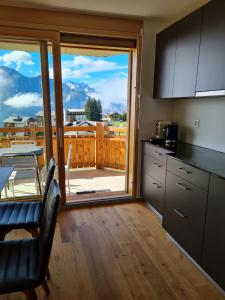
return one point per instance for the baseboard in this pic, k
(197, 265)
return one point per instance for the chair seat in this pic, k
(16, 215)
(19, 261)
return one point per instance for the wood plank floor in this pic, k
(118, 252)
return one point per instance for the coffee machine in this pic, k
(171, 134)
(159, 130)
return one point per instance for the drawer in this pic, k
(153, 192)
(189, 173)
(156, 152)
(154, 168)
(184, 214)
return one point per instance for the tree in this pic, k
(93, 110)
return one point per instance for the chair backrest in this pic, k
(19, 160)
(22, 143)
(50, 175)
(47, 228)
(68, 163)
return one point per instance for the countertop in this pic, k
(202, 158)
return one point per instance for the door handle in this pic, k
(156, 165)
(184, 171)
(60, 137)
(158, 153)
(184, 188)
(156, 185)
(179, 213)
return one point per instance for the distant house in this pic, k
(40, 118)
(74, 115)
(112, 116)
(83, 123)
(18, 121)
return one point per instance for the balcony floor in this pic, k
(94, 183)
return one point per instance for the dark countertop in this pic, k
(202, 158)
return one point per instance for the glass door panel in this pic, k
(23, 105)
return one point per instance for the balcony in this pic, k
(97, 162)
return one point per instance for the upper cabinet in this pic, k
(211, 69)
(165, 62)
(197, 61)
(187, 52)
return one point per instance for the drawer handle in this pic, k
(156, 165)
(156, 185)
(179, 213)
(184, 188)
(158, 153)
(184, 171)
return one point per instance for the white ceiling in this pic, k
(127, 8)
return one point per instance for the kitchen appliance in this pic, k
(159, 129)
(171, 134)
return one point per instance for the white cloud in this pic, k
(5, 81)
(24, 100)
(17, 57)
(81, 67)
(111, 92)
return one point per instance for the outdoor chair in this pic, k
(25, 167)
(25, 214)
(24, 263)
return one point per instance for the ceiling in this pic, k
(140, 9)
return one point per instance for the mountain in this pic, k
(21, 95)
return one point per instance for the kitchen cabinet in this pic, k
(164, 63)
(154, 176)
(187, 53)
(211, 69)
(214, 244)
(184, 214)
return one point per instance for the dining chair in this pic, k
(25, 167)
(68, 165)
(25, 214)
(24, 263)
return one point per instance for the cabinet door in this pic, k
(153, 192)
(165, 63)
(214, 245)
(187, 53)
(211, 70)
(184, 214)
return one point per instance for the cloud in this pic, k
(17, 57)
(24, 100)
(5, 80)
(82, 67)
(112, 92)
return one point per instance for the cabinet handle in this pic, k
(158, 153)
(156, 165)
(184, 188)
(179, 213)
(156, 185)
(184, 171)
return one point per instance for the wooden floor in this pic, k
(119, 252)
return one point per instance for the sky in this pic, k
(107, 75)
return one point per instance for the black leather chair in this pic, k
(25, 215)
(24, 263)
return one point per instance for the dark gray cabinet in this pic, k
(211, 69)
(214, 244)
(153, 192)
(187, 52)
(184, 214)
(165, 63)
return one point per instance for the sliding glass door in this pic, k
(28, 95)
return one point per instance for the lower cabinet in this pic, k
(214, 245)
(184, 214)
(153, 192)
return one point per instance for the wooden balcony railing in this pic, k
(93, 146)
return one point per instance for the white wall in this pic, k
(210, 112)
